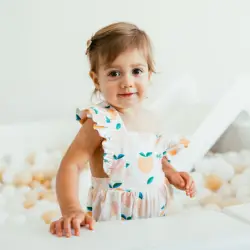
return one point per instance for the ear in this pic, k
(94, 78)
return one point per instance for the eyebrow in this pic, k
(108, 66)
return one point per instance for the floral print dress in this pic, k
(136, 186)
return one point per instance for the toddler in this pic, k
(122, 141)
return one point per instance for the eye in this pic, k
(137, 71)
(114, 73)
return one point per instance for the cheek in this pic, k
(141, 85)
(109, 90)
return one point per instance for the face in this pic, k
(123, 83)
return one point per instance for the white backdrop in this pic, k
(202, 46)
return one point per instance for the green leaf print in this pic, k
(107, 119)
(118, 126)
(78, 118)
(89, 209)
(95, 110)
(127, 165)
(162, 207)
(158, 156)
(141, 195)
(123, 216)
(107, 107)
(110, 186)
(116, 185)
(165, 152)
(149, 154)
(142, 154)
(120, 156)
(129, 218)
(150, 180)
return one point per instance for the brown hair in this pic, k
(110, 41)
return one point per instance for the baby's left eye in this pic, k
(137, 71)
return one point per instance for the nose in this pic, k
(127, 81)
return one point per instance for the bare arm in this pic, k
(77, 155)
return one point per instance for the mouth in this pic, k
(126, 95)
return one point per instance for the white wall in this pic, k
(42, 44)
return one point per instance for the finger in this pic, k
(187, 179)
(190, 192)
(90, 222)
(166, 162)
(76, 225)
(178, 181)
(192, 189)
(59, 228)
(67, 226)
(52, 228)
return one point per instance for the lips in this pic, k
(126, 94)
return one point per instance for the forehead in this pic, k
(129, 57)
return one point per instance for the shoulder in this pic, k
(95, 112)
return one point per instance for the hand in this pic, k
(180, 180)
(183, 181)
(71, 220)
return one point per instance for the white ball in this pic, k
(202, 193)
(222, 169)
(41, 159)
(204, 166)
(17, 161)
(225, 190)
(8, 176)
(233, 158)
(247, 173)
(243, 193)
(198, 180)
(245, 155)
(22, 190)
(8, 191)
(239, 180)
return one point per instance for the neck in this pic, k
(130, 111)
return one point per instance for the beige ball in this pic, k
(49, 216)
(31, 196)
(23, 179)
(47, 184)
(29, 204)
(213, 182)
(47, 195)
(31, 158)
(39, 176)
(35, 184)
